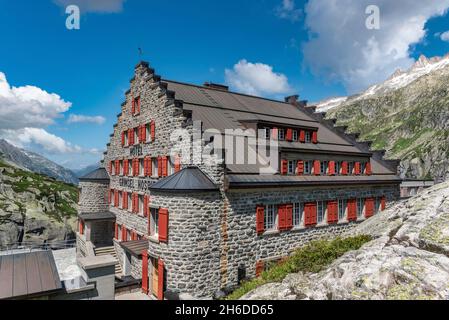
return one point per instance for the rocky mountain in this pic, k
(408, 258)
(82, 172)
(407, 115)
(34, 207)
(34, 162)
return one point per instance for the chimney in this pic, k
(292, 99)
(216, 86)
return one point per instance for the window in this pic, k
(154, 222)
(148, 132)
(323, 167)
(140, 204)
(360, 205)
(337, 167)
(341, 210)
(141, 167)
(136, 104)
(120, 200)
(350, 167)
(298, 211)
(267, 133)
(121, 167)
(308, 167)
(270, 217)
(171, 166)
(113, 167)
(308, 137)
(130, 201)
(377, 205)
(136, 136)
(295, 135)
(321, 210)
(362, 167)
(155, 168)
(291, 166)
(126, 137)
(281, 134)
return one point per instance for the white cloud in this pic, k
(28, 137)
(288, 10)
(97, 6)
(77, 118)
(256, 79)
(445, 36)
(28, 106)
(343, 49)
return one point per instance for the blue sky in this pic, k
(281, 41)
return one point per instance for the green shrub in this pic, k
(313, 257)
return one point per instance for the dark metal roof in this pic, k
(28, 274)
(190, 179)
(245, 180)
(135, 247)
(99, 174)
(97, 216)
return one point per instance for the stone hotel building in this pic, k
(197, 228)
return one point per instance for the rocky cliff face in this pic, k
(408, 259)
(407, 115)
(34, 207)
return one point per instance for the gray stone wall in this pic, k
(101, 232)
(136, 267)
(93, 197)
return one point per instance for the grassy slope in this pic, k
(312, 258)
(410, 123)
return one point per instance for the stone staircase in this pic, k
(102, 251)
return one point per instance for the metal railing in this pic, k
(28, 246)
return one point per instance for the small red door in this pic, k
(145, 271)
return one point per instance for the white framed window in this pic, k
(141, 167)
(291, 166)
(147, 132)
(341, 209)
(136, 136)
(323, 167)
(154, 222)
(141, 204)
(281, 134)
(308, 136)
(154, 166)
(295, 135)
(351, 167)
(298, 214)
(377, 205)
(120, 199)
(130, 201)
(321, 211)
(360, 205)
(171, 166)
(113, 167)
(308, 167)
(121, 167)
(125, 134)
(270, 217)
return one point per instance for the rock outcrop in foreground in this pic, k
(408, 259)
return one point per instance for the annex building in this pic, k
(196, 227)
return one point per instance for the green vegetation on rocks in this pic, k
(314, 257)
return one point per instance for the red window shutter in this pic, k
(368, 170)
(130, 137)
(135, 167)
(281, 217)
(357, 168)
(125, 200)
(145, 167)
(144, 134)
(81, 227)
(274, 133)
(260, 266)
(302, 136)
(145, 271)
(300, 167)
(369, 207)
(117, 167)
(331, 168)
(284, 166)
(164, 166)
(288, 216)
(344, 168)
(163, 225)
(133, 107)
(150, 167)
(289, 135)
(153, 130)
(124, 233)
(310, 214)
(317, 167)
(160, 282)
(383, 203)
(260, 217)
(315, 137)
(145, 206)
(177, 163)
(332, 212)
(159, 166)
(125, 167)
(116, 231)
(116, 198)
(352, 210)
(138, 104)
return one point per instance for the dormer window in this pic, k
(295, 135)
(281, 134)
(267, 133)
(308, 137)
(136, 106)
